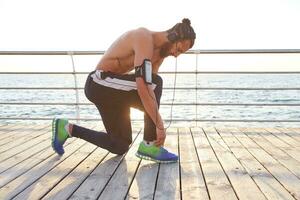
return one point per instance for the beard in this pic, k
(165, 50)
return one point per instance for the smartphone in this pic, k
(148, 71)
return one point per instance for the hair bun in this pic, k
(186, 21)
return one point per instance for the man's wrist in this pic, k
(160, 126)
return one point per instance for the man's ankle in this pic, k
(70, 129)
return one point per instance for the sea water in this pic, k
(189, 112)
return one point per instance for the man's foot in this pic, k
(59, 135)
(156, 154)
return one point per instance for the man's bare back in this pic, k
(119, 58)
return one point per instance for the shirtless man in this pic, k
(113, 89)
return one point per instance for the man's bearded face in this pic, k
(165, 50)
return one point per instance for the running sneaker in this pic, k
(59, 135)
(156, 154)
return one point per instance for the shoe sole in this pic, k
(152, 159)
(54, 130)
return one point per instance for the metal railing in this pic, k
(77, 104)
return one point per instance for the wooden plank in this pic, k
(143, 185)
(27, 145)
(284, 137)
(17, 141)
(292, 132)
(292, 149)
(283, 175)
(192, 180)
(13, 135)
(278, 154)
(68, 160)
(20, 130)
(97, 180)
(7, 129)
(168, 181)
(271, 188)
(35, 127)
(270, 137)
(123, 176)
(69, 184)
(24, 166)
(294, 153)
(295, 129)
(217, 183)
(14, 160)
(22, 182)
(39, 188)
(27, 153)
(242, 183)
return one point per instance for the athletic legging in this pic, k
(113, 95)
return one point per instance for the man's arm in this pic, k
(143, 48)
(156, 65)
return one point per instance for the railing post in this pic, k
(76, 87)
(196, 90)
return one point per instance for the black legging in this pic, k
(114, 107)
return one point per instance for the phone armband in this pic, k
(144, 71)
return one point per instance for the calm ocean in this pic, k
(181, 96)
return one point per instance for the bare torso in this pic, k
(119, 58)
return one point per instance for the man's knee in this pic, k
(158, 80)
(119, 148)
(159, 85)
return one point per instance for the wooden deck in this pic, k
(215, 163)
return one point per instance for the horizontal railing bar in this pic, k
(40, 88)
(197, 51)
(44, 73)
(174, 120)
(164, 72)
(166, 88)
(165, 104)
(241, 51)
(49, 53)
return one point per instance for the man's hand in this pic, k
(160, 137)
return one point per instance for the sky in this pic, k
(93, 25)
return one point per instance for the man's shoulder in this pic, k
(143, 30)
(139, 38)
(141, 33)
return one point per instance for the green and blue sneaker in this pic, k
(156, 154)
(59, 135)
